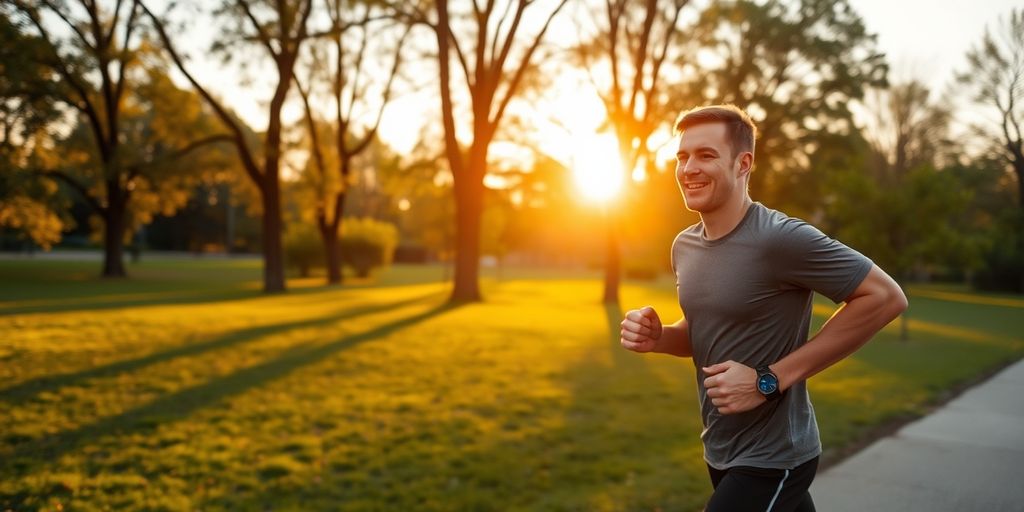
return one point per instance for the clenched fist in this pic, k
(641, 330)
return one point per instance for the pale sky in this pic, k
(929, 39)
(925, 40)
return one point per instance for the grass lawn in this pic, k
(184, 388)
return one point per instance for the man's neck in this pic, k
(723, 220)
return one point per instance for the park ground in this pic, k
(185, 388)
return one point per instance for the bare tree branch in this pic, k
(81, 189)
(523, 65)
(314, 136)
(86, 106)
(125, 59)
(354, 90)
(67, 21)
(444, 38)
(372, 132)
(262, 36)
(244, 153)
(183, 151)
(497, 29)
(640, 57)
(498, 62)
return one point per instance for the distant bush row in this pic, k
(365, 245)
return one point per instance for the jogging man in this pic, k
(745, 276)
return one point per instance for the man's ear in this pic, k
(746, 163)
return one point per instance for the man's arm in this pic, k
(675, 340)
(877, 301)
(642, 332)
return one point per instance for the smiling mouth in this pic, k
(696, 186)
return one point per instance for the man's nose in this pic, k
(688, 168)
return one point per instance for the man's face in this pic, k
(708, 173)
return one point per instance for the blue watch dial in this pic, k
(767, 383)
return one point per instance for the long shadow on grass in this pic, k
(94, 302)
(169, 408)
(617, 445)
(23, 392)
(623, 434)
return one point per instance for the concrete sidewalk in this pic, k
(966, 456)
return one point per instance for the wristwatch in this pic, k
(768, 383)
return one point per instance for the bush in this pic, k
(1004, 268)
(367, 244)
(303, 248)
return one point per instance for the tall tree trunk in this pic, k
(613, 258)
(113, 240)
(332, 254)
(273, 262)
(1018, 168)
(273, 254)
(330, 232)
(267, 177)
(468, 210)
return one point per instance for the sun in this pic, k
(572, 127)
(597, 166)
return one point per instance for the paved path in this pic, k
(967, 456)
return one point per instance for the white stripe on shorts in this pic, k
(777, 492)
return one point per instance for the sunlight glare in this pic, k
(597, 166)
(576, 133)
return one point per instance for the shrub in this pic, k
(303, 248)
(367, 244)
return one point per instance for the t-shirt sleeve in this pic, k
(807, 258)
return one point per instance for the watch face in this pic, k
(767, 383)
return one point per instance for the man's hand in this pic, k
(641, 330)
(732, 387)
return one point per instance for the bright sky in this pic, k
(929, 39)
(922, 39)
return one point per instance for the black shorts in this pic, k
(749, 489)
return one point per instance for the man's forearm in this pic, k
(675, 340)
(849, 329)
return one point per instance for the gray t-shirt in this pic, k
(747, 297)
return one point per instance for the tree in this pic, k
(29, 210)
(280, 28)
(995, 78)
(795, 67)
(116, 154)
(907, 130)
(634, 40)
(342, 63)
(489, 78)
(994, 221)
(419, 186)
(28, 206)
(893, 200)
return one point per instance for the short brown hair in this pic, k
(739, 128)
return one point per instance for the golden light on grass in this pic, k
(336, 394)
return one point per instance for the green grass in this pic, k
(184, 388)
